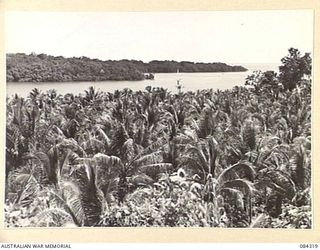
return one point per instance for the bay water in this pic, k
(188, 81)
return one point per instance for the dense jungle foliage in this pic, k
(233, 158)
(45, 68)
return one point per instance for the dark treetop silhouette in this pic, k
(45, 68)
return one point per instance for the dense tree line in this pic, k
(234, 158)
(46, 68)
(186, 66)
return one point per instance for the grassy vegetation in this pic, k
(234, 158)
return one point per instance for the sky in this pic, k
(221, 36)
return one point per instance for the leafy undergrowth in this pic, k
(291, 217)
(164, 212)
(167, 205)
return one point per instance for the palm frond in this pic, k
(29, 189)
(280, 182)
(245, 186)
(152, 158)
(193, 165)
(53, 167)
(234, 194)
(141, 180)
(206, 123)
(100, 131)
(258, 221)
(68, 198)
(300, 168)
(108, 161)
(51, 215)
(197, 151)
(73, 158)
(188, 135)
(138, 196)
(249, 134)
(260, 118)
(91, 199)
(128, 151)
(43, 167)
(153, 170)
(244, 168)
(71, 193)
(93, 145)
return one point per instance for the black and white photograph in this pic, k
(159, 119)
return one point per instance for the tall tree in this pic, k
(293, 68)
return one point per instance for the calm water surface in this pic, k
(189, 81)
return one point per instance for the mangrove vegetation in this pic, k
(46, 68)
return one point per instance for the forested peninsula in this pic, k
(45, 68)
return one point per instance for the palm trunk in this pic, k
(250, 208)
(122, 190)
(278, 207)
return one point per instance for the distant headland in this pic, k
(45, 68)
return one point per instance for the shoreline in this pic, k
(190, 82)
(142, 80)
(45, 68)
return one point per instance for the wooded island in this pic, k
(45, 68)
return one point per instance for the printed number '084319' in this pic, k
(309, 246)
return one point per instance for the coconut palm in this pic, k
(240, 149)
(124, 176)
